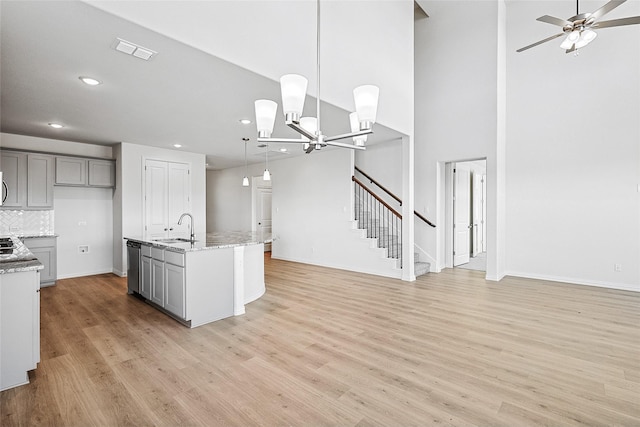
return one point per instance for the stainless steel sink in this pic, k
(174, 240)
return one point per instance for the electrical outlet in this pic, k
(83, 249)
(617, 267)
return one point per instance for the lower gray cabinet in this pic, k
(145, 276)
(174, 300)
(45, 249)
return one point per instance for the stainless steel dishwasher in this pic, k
(133, 268)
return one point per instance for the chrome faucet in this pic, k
(193, 236)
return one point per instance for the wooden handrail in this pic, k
(375, 196)
(373, 181)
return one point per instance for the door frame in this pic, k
(258, 182)
(448, 208)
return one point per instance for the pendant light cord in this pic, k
(318, 63)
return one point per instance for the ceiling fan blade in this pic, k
(555, 36)
(617, 22)
(554, 21)
(606, 9)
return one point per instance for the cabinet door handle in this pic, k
(171, 229)
(165, 229)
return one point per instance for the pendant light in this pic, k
(293, 89)
(266, 176)
(245, 180)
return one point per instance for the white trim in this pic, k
(394, 273)
(91, 273)
(573, 281)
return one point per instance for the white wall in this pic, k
(128, 200)
(456, 104)
(75, 206)
(383, 162)
(83, 216)
(573, 153)
(228, 202)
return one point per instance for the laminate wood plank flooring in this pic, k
(326, 347)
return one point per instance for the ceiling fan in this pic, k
(580, 28)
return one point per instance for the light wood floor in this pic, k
(328, 347)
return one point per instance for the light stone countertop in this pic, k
(20, 260)
(216, 240)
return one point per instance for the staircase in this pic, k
(383, 223)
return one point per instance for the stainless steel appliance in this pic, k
(5, 190)
(133, 268)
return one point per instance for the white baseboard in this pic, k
(575, 281)
(395, 274)
(87, 273)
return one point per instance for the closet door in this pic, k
(179, 198)
(167, 196)
(156, 193)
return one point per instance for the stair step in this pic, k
(421, 268)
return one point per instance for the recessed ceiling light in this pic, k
(245, 121)
(90, 81)
(283, 150)
(56, 125)
(177, 145)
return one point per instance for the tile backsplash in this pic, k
(26, 223)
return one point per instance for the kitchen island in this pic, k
(19, 312)
(201, 281)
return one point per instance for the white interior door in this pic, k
(262, 209)
(179, 198)
(461, 214)
(156, 198)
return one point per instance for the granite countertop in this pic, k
(21, 259)
(36, 236)
(217, 240)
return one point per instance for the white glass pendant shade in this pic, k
(266, 176)
(245, 181)
(265, 116)
(355, 127)
(366, 100)
(310, 124)
(586, 37)
(571, 39)
(294, 90)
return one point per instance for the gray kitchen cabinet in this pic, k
(157, 276)
(14, 169)
(71, 171)
(45, 249)
(77, 171)
(146, 276)
(174, 275)
(40, 177)
(102, 173)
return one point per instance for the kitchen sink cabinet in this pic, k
(146, 276)
(157, 282)
(175, 289)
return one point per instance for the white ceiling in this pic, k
(183, 95)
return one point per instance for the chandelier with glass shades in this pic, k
(293, 88)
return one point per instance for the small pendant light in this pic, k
(245, 180)
(266, 176)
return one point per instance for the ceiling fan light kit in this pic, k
(580, 28)
(293, 89)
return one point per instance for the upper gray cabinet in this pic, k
(39, 181)
(71, 171)
(102, 173)
(29, 179)
(76, 171)
(14, 169)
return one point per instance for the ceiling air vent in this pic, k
(133, 49)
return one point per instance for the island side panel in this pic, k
(209, 285)
(254, 286)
